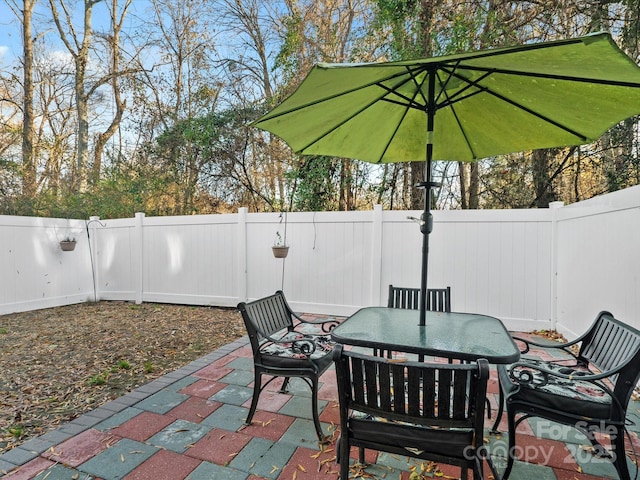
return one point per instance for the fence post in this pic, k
(93, 248)
(242, 254)
(555, 208)
(376, 255)
(138, 254)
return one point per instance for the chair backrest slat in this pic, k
(386, 398)
(399, 401)
(445, 402)
(430, 388)
(371, 380)
(414, 394)
(460, 390)
(358, 382)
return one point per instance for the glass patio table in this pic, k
(462, 336)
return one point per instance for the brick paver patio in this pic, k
(189, 425)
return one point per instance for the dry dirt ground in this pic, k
(58, 363)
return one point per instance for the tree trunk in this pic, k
(417, 170)
(462, 170)
(79, 50)
(28, 161)
(474, 185)
(82, 100)
(541, 178)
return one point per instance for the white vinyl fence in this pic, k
(531, 268)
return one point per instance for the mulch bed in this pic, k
(58, 363)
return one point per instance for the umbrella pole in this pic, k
(426, 226)
(427, 220)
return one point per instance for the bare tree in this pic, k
(78, 45)
(113, 47)
(28, 161)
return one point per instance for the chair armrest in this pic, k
(303, 345)
(562, 346)
(326, 325)
(521, 373)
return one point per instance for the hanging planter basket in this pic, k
(68, 245)
(280, 251)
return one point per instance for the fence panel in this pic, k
(191, 260)
(36, 273)
(115, 259)
(497, 262)
(599, 260)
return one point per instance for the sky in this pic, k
(11, 34)
(10, 43)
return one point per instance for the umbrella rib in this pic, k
(460, 93)
(376, 82)
(569, 78)
(411, 103)
(524, 108)
(384, 88)
(448, 100)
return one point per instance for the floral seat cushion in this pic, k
(572, 394)
(296, 350)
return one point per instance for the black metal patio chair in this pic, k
(438, 300)
(421, 410)
(286, 345)
(588, 390)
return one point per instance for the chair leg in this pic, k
(619, 455)
(512, 443)
(343, 446)
(257, 388)
(285, 384)
(464, 473)
(314, 407)
(486, 456)
(494, 429)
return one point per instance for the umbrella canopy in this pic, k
(486, 103)
(460, 107)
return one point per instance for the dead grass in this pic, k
(58, 363)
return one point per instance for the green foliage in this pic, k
(97, 379)
(124, 365)
(507, 182)
(316, 179)
(399, 16)
(199, 157)
(212, 161)
(16, 430)
(148, 367)
(289, 54)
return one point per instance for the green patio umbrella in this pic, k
(460, 107)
